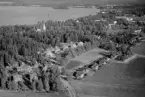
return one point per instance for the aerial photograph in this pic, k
(72, 48)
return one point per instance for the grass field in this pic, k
(115, 80)
(85, 58)
(27, 94)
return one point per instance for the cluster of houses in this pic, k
(51, 52)
(129, 19)
(91, 67)
(95, 65)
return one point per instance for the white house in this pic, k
(97, 20)
(97, 67)
(80, 44)
(129, 19)
(56, 49)
(82, 76)
(38, 30)
(137, 31)
(73, 46)
(77, 21)
(103, 12)
(110, 26)
(115, 22)
(48, 53)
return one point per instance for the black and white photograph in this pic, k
(72, 48)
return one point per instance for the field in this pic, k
(85, 58)
(10, 15)
(115, 80)
(27, 94)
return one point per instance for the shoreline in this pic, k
(129, 59)
(30, 15)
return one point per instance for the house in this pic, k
(82, 75)
(80, 43)
(137, 31)
(97, 67)
(65, 47)
(48, 53)
(80, 6)
(99, 37)
(24, 68)
(38, 30)
(108, 59)
(129, 19)
(115, 22)
(124, 17)
(101, 20)
(39, 52)
(77, 21)
(103, 12)
(110, 25)
(57, 49)
(73, 46)
(97, 20)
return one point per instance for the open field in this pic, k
(85, 58)
(116, 80)
(10, 15)
(27, 94)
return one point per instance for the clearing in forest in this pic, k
(85, 58)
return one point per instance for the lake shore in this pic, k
(11, 15)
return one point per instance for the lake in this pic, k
(10, 15)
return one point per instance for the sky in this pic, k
(76, 1)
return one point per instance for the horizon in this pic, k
(72, 2)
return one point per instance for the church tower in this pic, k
(44, 27)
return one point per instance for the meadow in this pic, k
(116, 79)
(85, 58)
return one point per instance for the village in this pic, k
(111, 26)
(119, 32)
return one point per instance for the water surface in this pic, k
(30, 15)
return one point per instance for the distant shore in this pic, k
(55, 6)
(21, 15)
